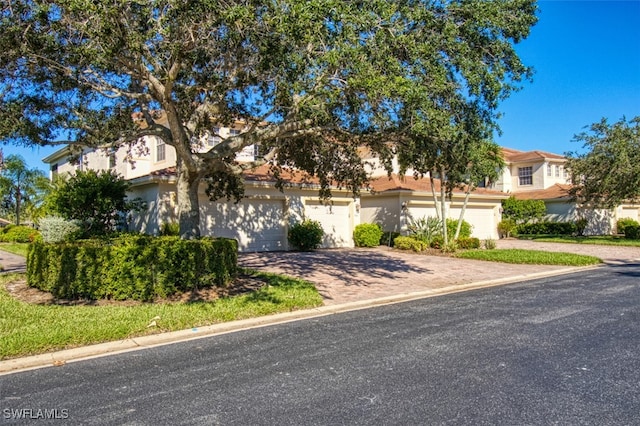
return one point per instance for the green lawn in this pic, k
(600, 240)
(535, 257)
(27, 329)
(16, 248)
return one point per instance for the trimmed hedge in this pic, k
(547, 228)
(367, 235)
(137, 267)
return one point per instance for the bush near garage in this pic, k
(547, 228)
(632, 232)
(465, 228)
(367, 235)
(137, 267)
(468, 243)
(306, 235)
(18, 234)
(622, 224)
(409, 243)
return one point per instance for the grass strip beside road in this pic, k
(533, 257)
(28, 329)
(606, 240)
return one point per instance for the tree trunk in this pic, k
(443, 207)
(188, 203)
(433, 191)
(18, 201)
(464, 208)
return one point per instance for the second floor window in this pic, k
(549, 167)
(160, 150)
(525, 176)
(557, 171)
(112, 159)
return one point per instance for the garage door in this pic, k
(481, 218)
(335, 220)
(257, 224)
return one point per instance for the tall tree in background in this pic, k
(313, 80)
(608, 173)
(22, 189)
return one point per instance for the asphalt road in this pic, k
(561, 350)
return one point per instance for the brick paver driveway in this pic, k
(347, 275)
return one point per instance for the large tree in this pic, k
(22, 190)
(313, 81)
(607, 173)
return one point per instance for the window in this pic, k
(160, 150)
(54, 170)
(525, 175)
(234, 132)
(557, 171)
(112, 159)
(549, 169)
(214, 138)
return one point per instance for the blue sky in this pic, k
(586, 56)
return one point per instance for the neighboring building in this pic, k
(537, 175)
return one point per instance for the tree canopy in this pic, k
(608, 173)
(312, 81)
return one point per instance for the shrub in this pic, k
(18, 234)
(409, 243)
(306, 235)
(465, 228)
(55, 229)
(581, 225)
(367, 235)
(388, 238)
(490, 244)
(468, 243)
(507, 228)
(547, 228)
(622, 224)
(437, 242)
(170, 229)
(425, 228)
(130, 267)
(632, 232)
(521, 211)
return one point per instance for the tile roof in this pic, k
(557, 191)
(409, 183)
(513, 155)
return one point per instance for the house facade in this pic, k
(260, 221)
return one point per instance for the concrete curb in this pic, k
(60, 358)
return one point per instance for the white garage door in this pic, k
(335, 220)
(481, 218)
(631, 213)
(257, 224)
